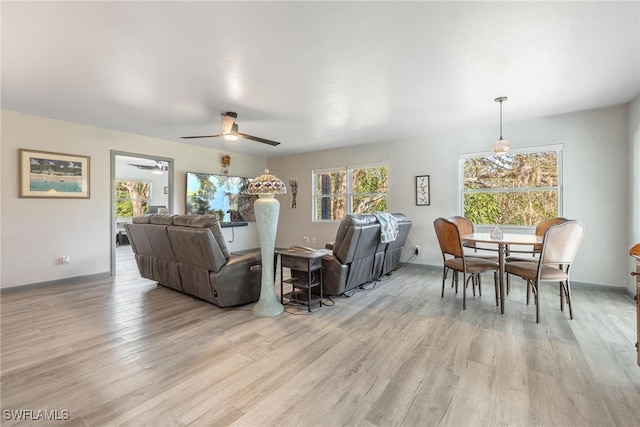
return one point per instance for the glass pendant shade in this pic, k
(501, 146)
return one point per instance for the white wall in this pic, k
(634, 191)
(601, 170)
(596, 184)
(35, 233)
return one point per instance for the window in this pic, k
(354, 189)
(521, 188)
(132, 198)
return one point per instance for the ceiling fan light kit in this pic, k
(158, 169)
(232, 135)
(501, 146)
(230, 131)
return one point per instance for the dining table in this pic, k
(503, 242)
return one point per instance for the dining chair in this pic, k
(467, 227)
(559, 247)
(454, 258)
(541, 228)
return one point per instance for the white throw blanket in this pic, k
(388, 226)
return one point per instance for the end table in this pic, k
(308, 261)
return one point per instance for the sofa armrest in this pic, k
(334, 275)
(329, 245)
(238, 282)
(245, 257)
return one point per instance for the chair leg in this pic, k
(536, 297)
(479, 284)
(561, 287)
(495, 285)
(528, 291)
(567, 292)
(444, 278)
(473, 283)
(455, 279)
(508, 283)
(464, 290)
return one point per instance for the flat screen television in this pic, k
(221, 195)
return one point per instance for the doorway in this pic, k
(140, 184)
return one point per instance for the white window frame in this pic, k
(348, 195)
(558, 148)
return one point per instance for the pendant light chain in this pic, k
(501, 146)
(501, 119)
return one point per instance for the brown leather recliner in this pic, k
(188, 253)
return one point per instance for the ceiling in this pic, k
(314, 75)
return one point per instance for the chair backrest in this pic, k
(464, 225)
(561, 243)
(542, 227)
(448, 237)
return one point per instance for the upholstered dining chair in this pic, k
(559, 247)
(455, 259)
(541, 228)
(466, 227)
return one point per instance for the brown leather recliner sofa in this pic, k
(188, 253)
(359, 256)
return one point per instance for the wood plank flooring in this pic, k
(123, 351)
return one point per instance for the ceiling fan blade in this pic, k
(142, 166)
(230, 131)
(201, 136)
(256, 138)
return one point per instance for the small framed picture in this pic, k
(53, 175)
(423, 193)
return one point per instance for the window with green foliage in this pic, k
(354, 189)
(520, 188)
(132, 198)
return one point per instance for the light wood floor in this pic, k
(123, 351)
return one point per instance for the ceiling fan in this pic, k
(230, 131)
(157, 168)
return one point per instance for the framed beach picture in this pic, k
(53, 175)
(423, 197)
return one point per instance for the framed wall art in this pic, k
(423, 193)
(53, 175)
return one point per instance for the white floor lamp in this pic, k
(267, 209)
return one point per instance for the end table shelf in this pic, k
(308, 261)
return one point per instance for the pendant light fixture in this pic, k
(501, 146)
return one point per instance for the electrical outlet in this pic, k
(66, 259)
(416, 250)
(314, 240)
(306, 239)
